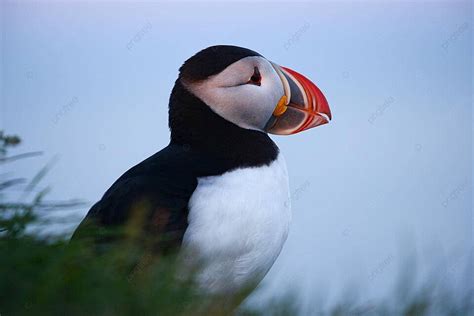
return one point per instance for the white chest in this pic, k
(237, 225)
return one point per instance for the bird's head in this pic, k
(252, 92)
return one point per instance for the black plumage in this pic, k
(212, 60)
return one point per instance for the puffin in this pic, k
(217, 196)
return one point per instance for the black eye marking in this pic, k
(256, 78)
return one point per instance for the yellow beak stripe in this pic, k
(280, 107)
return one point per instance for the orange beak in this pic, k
(302, 107)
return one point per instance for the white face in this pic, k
(235, 94)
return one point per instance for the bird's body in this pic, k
(219, 198)
(218, 194)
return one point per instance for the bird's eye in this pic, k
(256, 78)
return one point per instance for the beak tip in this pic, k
(326, 116)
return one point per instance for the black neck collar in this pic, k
(196, 127)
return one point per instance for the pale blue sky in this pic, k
(389, 176)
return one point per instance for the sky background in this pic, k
(389, 179)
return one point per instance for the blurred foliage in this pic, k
(40, 275)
